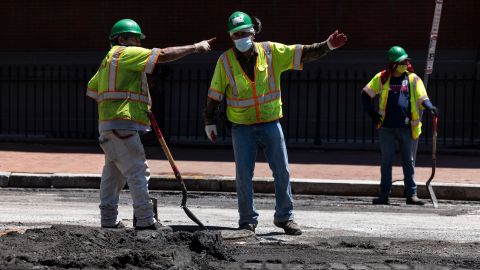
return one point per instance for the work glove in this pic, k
(336, 40)
(203, 46)
(434, 111)
(376, 117)
(211, 131)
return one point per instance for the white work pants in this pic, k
(125, 162)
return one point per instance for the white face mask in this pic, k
(243, 44)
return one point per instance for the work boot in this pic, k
(155, 226)
(414, 200)
(289, 226)
(248, 227)
(381, 200)
(118, 225)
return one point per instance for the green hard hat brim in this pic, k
(401, 58)
(241, 27)
(142, 36)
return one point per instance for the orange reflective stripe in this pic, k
(249, 102)
(215, 94)
(152, 60)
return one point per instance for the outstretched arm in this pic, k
(174, 53)
(315, 51)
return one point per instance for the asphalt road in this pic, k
(348, 232)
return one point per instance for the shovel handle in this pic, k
(434, 137)
(165, 148)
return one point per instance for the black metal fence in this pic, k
(320, 107)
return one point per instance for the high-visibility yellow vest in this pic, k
(258, 101)
(418, 95)
(120, 85)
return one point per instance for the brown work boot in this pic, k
(248, 227)
(414, 200)
(289, 226)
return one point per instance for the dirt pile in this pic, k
(62, 247)
(79, 247)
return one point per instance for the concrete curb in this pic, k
(445, 191)
(4, 179)
(30, 180)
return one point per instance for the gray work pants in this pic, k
(125, 162)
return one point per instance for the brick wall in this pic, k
(75, 25)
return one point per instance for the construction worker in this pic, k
(402, 96)
(249, 76)
(121, 91)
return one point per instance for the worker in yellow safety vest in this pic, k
(248, 76)
(121, 91)
(402, 96)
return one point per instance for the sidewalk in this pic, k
(212, 168)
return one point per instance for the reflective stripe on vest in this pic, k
(297, 61)
(144, 86)
(123, 95)
(112, 72)
(152, 60)
(215, 94)
(268, 54)
(244, 103)
(228, 71)
(369, 91)
(92, 93)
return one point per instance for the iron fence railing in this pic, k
(320, 107)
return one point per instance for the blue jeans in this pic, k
(388, 137)
(246, 141)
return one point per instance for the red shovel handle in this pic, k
(165, 148)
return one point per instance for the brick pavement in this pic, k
(218, 161)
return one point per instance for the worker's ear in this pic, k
(122, 40)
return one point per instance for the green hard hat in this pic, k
(126, 26)
(238, 21)
(397, 54)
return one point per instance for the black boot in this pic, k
(381, 200)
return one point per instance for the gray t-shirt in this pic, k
(123, 124)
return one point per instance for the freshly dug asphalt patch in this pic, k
(81, 247)
(70, 247)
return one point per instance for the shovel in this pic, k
(434, 163)
(175, 170)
